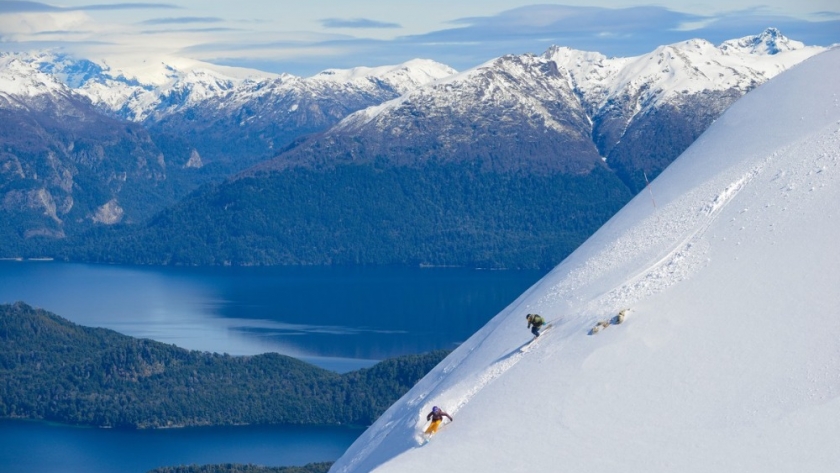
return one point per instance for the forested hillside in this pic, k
(367, 214)
(55, 370)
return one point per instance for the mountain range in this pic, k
(564, 110)
(359, 164)
(85, 145)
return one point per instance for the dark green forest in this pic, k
(322, 467)
(55, 370)
(440, 215)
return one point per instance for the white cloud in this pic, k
(695, 25)
(23, 26)
(296, 39)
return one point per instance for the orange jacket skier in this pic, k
(436, 416)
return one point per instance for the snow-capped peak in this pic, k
(770, 41)
(141, 90)
(21, 78)
(403, 77)
(687, 67)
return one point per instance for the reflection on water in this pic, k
(339, 318)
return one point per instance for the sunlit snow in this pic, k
(729, 358)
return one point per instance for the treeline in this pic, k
(55, 370)
(373, 214)
(322, 467)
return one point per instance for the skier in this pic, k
(535, 321)
(436, 416)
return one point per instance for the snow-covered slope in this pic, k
(677, 70)
(19, 79)
(22, 84)
(402, 77)
(729, 358)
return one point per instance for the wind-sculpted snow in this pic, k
(727, 359)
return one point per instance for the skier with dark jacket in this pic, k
(535, 321)
(436, 416)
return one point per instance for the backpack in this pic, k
(537, 320)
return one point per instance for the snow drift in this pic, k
(729, 358)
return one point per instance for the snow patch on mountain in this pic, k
(680, 69)
(19, 79)
(515, 83)
(770, 41)
(155, 88)
(403, 77)
(164, 89)
(178, 85)
(728, 358)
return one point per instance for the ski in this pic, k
(527, 346)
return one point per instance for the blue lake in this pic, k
(29, 447)
(337, 318)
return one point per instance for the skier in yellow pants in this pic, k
(436, 416)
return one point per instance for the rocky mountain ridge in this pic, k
(562, 110)
(62, 162)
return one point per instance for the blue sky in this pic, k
(303, 38)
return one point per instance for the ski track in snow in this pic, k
(686, 255)
(454, 397)
(464, 391)
(689, 252)
(460, 394)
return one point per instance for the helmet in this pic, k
(529, 316)
(436, 409)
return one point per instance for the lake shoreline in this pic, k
(330, 314)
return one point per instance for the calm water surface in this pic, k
(38, 447)
(337, 318)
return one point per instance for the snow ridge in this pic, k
(19, 79)
(155, 89)
(597, 84)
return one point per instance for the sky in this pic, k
(303, 38)
(728, 359)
